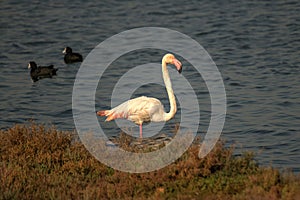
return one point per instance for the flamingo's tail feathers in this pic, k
(102, 112)
(111, 115)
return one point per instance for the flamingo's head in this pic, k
(170, 59)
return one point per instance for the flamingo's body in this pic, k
(146, 109)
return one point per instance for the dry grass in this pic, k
(43, 163)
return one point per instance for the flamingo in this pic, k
(147, 109)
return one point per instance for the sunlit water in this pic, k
(255, 45)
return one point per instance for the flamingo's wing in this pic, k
(138, 110)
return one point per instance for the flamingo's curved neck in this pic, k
(168, 84)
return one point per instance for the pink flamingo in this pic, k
(146, 109)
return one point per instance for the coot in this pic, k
(40, 72)
(71, 57)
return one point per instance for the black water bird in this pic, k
(39, 72)
(71, 57)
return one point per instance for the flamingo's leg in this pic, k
(141, 131)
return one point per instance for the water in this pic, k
(255, 45)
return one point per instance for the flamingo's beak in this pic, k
(178, 65)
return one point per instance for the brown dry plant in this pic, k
(39, 162)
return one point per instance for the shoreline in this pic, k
(43, 162)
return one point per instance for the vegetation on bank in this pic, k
(39, 162)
